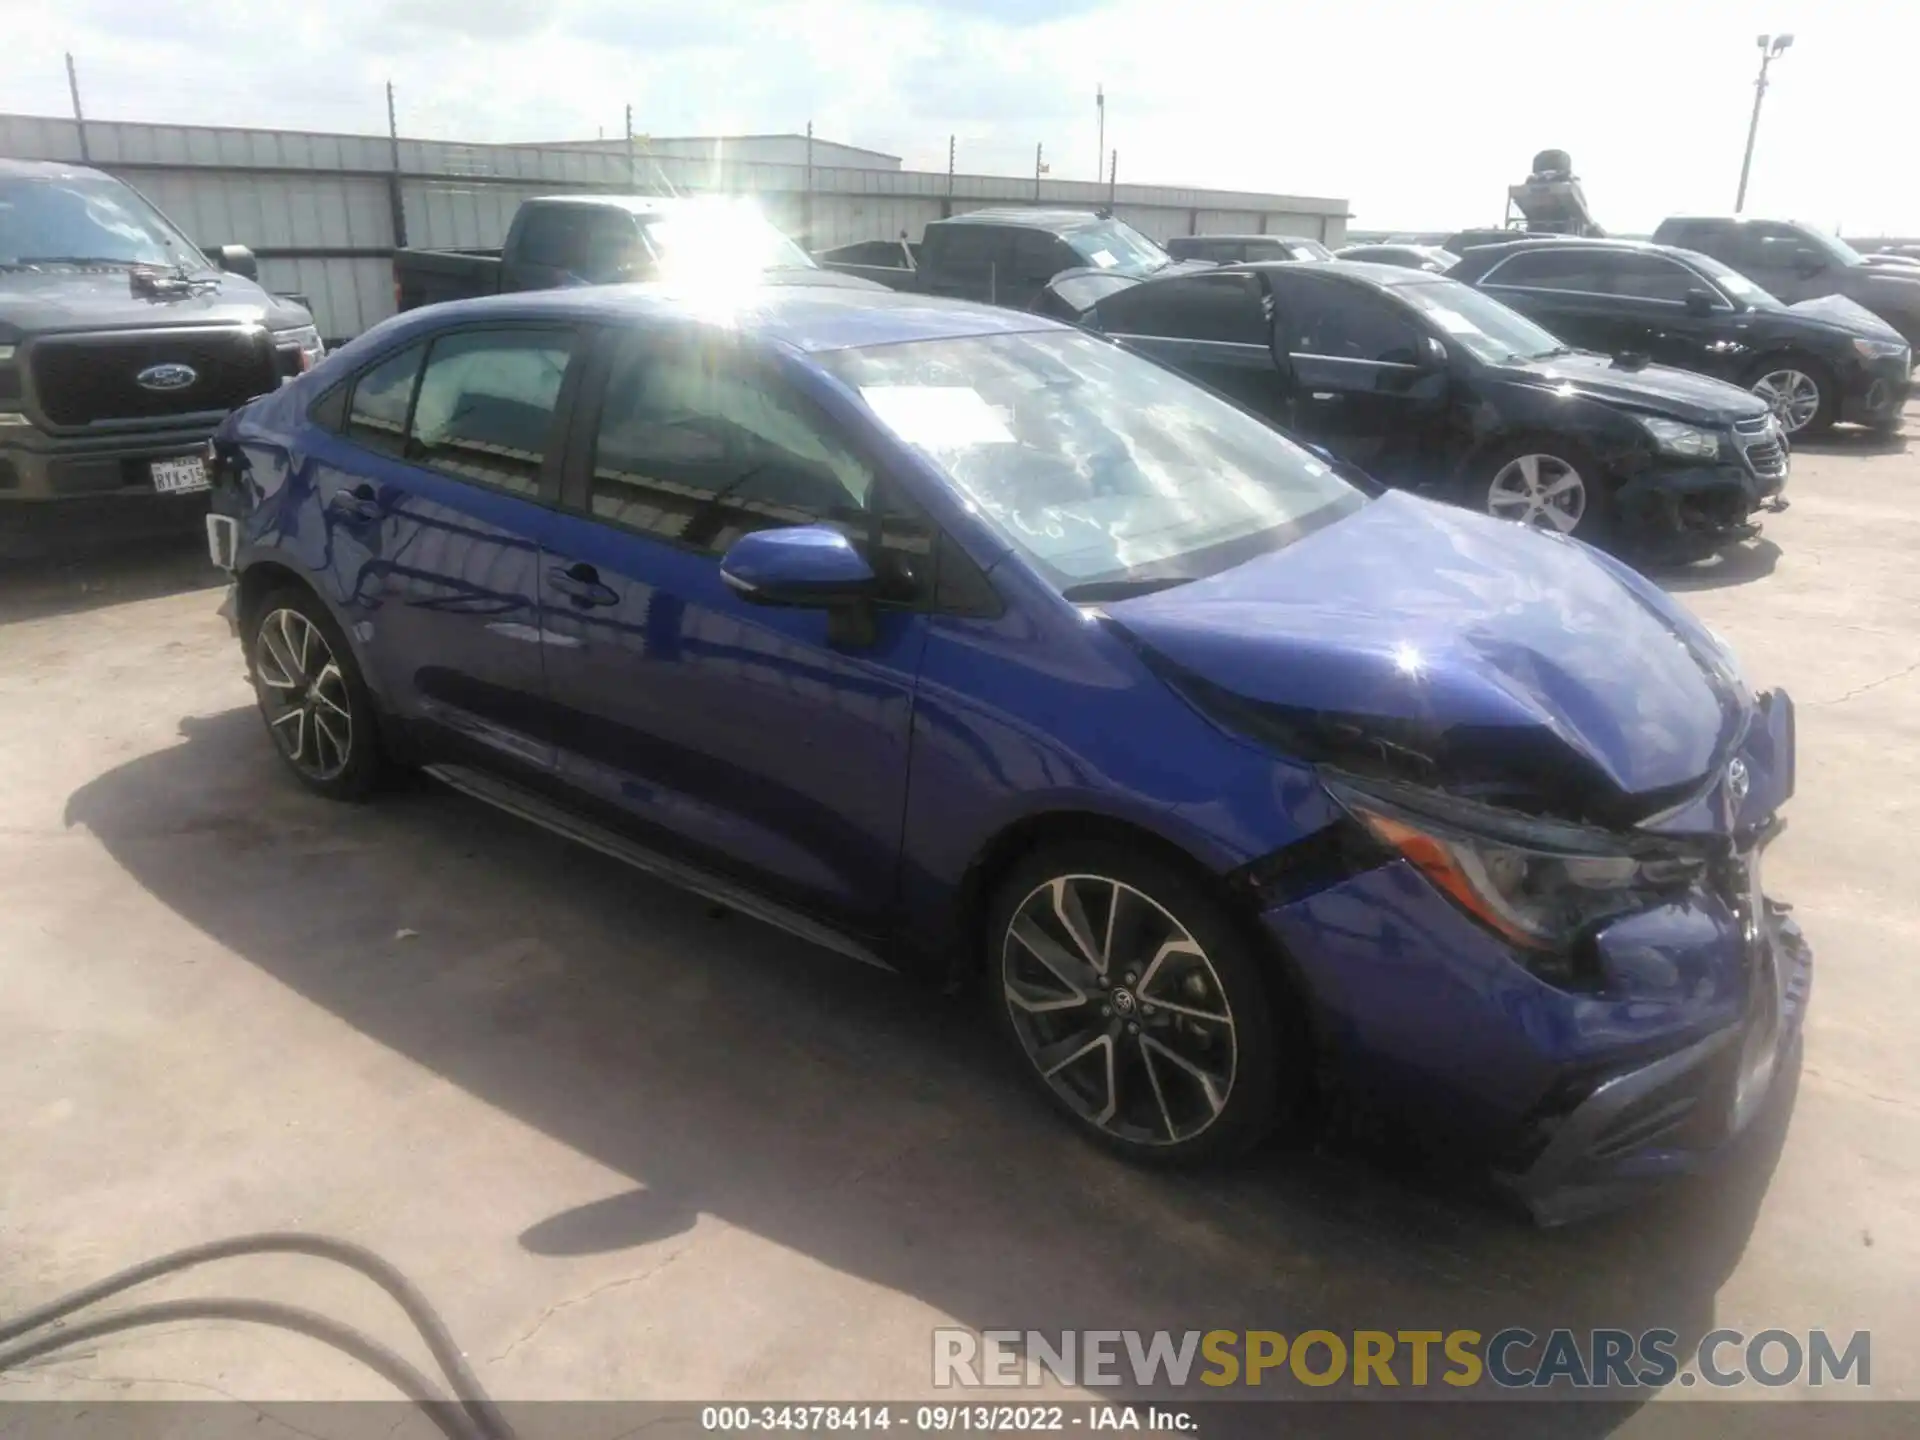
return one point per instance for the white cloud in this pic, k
(1419, 114)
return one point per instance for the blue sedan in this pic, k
(980, 648)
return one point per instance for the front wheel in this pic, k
(1138, 1007)
(1802, 396)
(317, 708)
(1543, 484)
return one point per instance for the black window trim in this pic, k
(1487, 282)
(1421, 325)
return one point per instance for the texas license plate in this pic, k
(175, 477)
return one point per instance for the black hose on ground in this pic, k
(472, 1415)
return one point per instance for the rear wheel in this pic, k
(318, 711)
(1138, 1007)
(1801, 394)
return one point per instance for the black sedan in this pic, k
(1428, 384)
(1409, 257)
(1815, 363)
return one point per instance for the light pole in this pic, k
(1771, 48)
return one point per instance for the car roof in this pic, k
(1035, 218)
(1276, 239)
(1352, 269)
(47, 170)
(1487, 255)
(633, 204)
(801, 317)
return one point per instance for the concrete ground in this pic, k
(635, 1149)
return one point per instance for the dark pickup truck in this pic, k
(122, 346)
(1007, 256)
(562, 240)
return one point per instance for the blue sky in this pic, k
(1418, 114)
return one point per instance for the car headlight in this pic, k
(305, 339)
(1879, 349)
(1536, 883)
(1676, 438)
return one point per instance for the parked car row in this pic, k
(985, 648)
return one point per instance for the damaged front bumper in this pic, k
(1698, 507)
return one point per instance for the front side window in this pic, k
(1478, 323)
(698, 444)
(377, 416)
(1115, 245)
(1346, 322)
(1109, 473)
(486, 405)
(74, 219)
(1733, 282)
(555, 236)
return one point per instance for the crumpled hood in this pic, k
(1452, 649)
(61, 298)
(1849, 317)
(1652, 389)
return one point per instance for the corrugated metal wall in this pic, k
(321, 210)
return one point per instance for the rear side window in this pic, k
(1580, 271)
(1346, 322)
(970, 247)
(1038, 257)
(377, 416)
(593, 243)
(486, 405)
(1192, 307)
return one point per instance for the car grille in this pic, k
(1761, 444)
(86, 379)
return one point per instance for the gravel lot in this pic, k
(635, 1149)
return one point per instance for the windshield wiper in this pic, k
(1123, 589)
(1552, 354)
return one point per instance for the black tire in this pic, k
(324, 727)
(1826, 411)
(1595, 521)
(1157, 1065)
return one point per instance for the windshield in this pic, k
(1733, 282)
(719, 237)
(1112, 475)
(1304, 249)
(1113, 245)
(1837, 250)
(74, 218)
(1487, 329)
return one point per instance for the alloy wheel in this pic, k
(1794, 396)
(1119, 1009)
(1540, 490)
(304, 694)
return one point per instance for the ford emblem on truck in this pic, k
(169, 376)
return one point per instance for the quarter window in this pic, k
(1651, 277)
(699, 446)
(377, 418)
(487, 398)
(1583, 271)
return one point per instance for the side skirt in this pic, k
(517, 800)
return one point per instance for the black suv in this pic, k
(1429, 384)
(1799, 262)
(1815, 363)
(121, 347)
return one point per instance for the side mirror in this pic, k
(803, 566)
(1699, 303)
(237, 260)
(1432, 355)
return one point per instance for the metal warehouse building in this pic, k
(325, 212)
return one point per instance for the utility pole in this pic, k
(806, 227)
(396, 201)
(79, 119)
(1771, 48)
(1113, 178)
(1039, 169)
(1100, 104)
(632, 182)
(946, 209)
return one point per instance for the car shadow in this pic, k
(1855, 440)
(1736, 565)
(726, 1069)
(74, 580)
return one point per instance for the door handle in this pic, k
(581, 584)
(360, 502)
